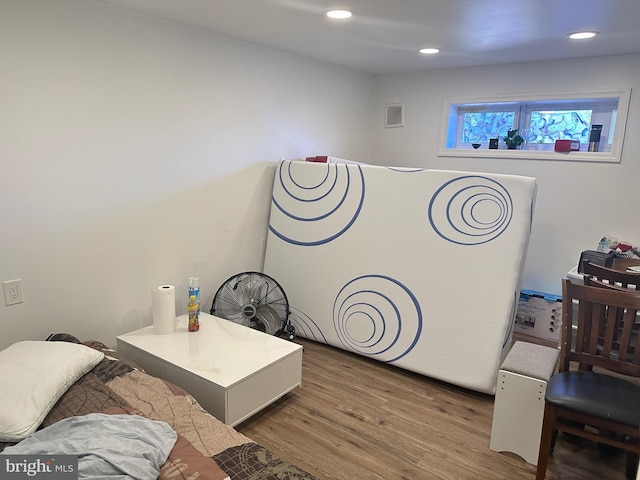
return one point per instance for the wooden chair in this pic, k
(624, 279)
(594, 391)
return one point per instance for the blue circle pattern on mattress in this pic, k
(378, 316)
(334, 195)
(470, 210)
(305, 326)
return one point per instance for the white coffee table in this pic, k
(232, 370)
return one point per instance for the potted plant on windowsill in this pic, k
(513, 140)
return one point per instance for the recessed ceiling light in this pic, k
(582, 35)
(339, 14)
(429, 51)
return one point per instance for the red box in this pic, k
(567, 146)
(318, 158)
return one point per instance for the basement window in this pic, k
(595, 121)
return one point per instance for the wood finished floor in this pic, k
(358, 419)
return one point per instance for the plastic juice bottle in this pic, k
(194, 289)
(194, 324)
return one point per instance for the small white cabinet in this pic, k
(232, 371)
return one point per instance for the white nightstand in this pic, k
(233, 371)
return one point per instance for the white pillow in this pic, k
(34, 375)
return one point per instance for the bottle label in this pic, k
(193, 306)
(195, 291)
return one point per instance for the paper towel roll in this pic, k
(163, 306)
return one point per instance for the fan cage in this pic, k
(255, 300)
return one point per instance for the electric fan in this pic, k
(255, 300)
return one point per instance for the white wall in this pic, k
(577, 203)
(136, 152)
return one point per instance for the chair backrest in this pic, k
(603, 283)
(594, 282)
(604, 335)
(624, 279)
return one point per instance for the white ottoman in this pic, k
(519, 400)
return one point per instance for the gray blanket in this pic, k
(107, 446)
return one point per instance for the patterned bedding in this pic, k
(206, 448)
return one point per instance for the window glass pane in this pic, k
(547, 126)
(479, 127)
(612, 126)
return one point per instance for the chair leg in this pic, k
(547, 439)
(554, 438)
(632, 465)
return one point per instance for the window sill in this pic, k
(550, 155)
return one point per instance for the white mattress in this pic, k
(417, 268)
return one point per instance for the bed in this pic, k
(60, 388)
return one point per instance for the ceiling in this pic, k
(384, 36)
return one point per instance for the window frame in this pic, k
(495, 102)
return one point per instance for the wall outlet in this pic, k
(12, 292)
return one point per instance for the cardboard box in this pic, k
(539, 315)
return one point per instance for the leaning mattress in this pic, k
(417, 268)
